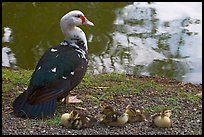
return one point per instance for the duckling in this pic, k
(135, 115)
(162, 119)
(76, 120)
(112, 118)
(84, 121)
(66, 116)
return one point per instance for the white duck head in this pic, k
(69, 23)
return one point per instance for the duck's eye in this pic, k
(78, 16)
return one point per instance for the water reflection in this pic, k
(7, 34)
(135, 38)
(147, 44)
(8, 58)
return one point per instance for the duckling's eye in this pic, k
(105, 108)
(167, 112)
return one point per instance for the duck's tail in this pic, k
(23, 108)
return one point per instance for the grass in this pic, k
(16, 77)
(54, 121)
(114, 83)
(103, 87)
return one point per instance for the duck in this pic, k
(60, 69)
(135, 115)
(162, 119)
(112, 118)
(75, 120)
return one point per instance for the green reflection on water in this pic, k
(36, 27)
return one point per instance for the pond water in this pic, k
(162, 39)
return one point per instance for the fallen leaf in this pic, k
(199, 107)
(20, 92)
(102, 87)
(198, 94)
(73, 99)
(81, 108)
(88, 96)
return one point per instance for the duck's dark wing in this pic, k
(59, 70)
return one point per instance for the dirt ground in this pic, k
(187, 117)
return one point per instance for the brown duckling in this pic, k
(135, 115)
(112, 118)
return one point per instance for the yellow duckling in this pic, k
(75, 120)
(66, 116)
(162, 119)
(112, 118)
(135, 115)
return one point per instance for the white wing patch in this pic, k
(83, 53)
(74, 45)
(64, 77)
(64, 43)
(53, 50)
(72, 73)
(57, 55)
(39, 68)
(54, 70)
